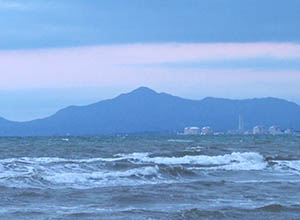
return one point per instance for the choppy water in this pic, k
(179, 177)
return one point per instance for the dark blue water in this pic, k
(179, 177)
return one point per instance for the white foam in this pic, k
(98, 177)
(234, 161)
(35, 172)
(46, 160)
(180, 140)
(226, 159)
(77, 173)
(195, 149)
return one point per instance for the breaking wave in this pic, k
(123, 169)
(234, 161)
(61, 173)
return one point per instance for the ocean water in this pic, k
(150, 177)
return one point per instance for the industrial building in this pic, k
(192, 131)
(275, 130)
(206, 131)
(258, 130)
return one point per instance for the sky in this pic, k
(56, 53)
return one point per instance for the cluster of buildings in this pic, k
(259, 129)
(273, 130)
(197, 131)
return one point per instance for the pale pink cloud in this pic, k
(157, 53)
(115, 65)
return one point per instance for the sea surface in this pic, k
(150, 177)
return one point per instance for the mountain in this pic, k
(144, 110)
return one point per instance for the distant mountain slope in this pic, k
(144, 110)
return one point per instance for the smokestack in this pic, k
(241, 123)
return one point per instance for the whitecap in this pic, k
(233, 161)
(180, 140)
(97, 177)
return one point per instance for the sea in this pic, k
(150, 177)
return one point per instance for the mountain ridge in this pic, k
(145, 110)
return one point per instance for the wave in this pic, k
(126, 169)
(292, 165)
(100, 177)
(279, 208)
(46, 160)
(180, 140)
(268, 212)
(199, 214)
(177, 171)
(73, 175)
(233, 161)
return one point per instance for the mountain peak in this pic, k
(143, 90)
(139, 92)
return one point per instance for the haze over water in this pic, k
(171, 177)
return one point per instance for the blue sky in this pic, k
(54, 53)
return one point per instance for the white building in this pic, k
(206, 130)
(289, 131)
(192, 131)
(258, 130)
(274, 130)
